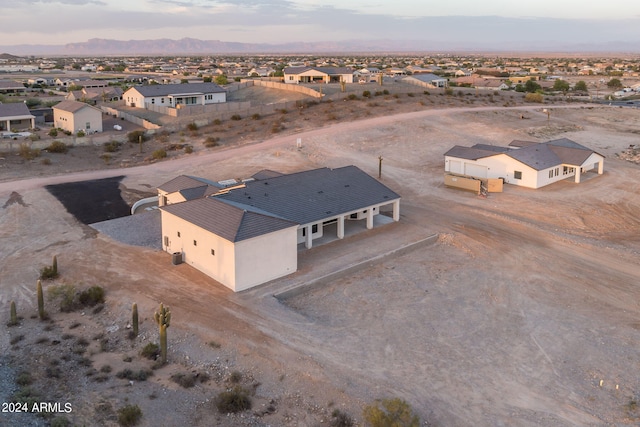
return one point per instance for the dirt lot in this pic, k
(524, 313)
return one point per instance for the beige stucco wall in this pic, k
(237, 266)
(73, 122)
(265, 258)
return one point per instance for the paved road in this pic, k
(170, 167)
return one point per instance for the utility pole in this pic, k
(379, 167)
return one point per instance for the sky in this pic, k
(48, 22)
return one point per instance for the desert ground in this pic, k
(523, 312)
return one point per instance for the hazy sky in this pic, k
(277, 21)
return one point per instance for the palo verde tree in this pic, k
(561, 86)
(614, 84)
(163, 319)
(580, 86)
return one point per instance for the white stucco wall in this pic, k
(237, 266)
(499, 166)
(264, 258)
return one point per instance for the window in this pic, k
(178, 234)
(517, 174)
(314, 228)
(88, 125)
(195, 243)
(557, 171)
(213, 251)
(551, 174)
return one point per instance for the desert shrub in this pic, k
(211, 141)
(111, 146)
(92, 296)
(426, 92)
(192, 127)
(140, 375)
(129, 415)
(283, 111)
(235, 377)
(448, 91)
(26, 396)
(236, 117)
(159, 154)
(233, 401)
(28, 153)
(214, 344)
(135, 136)
(150, 351)
(24, 378)
(217, 122)
(45, 161)
(105, 369)
(411, 95)
(57, 147)
(188, 149)
(352, 96)
(184, 380)
(16, 339)
(53, 132)
(340, 419)
(48, 272)
(534, 97)
(255, 116)
(385, 92)
(81, 133)
(390, 412)
(366, 94)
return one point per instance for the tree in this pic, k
(580, 86)
(614, 84)
(221, 79)
(531, 86)
(207, 79)
(560, 86)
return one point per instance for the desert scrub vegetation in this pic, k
(71, 300)
(233, 401)
(390, 412)
(137, 136)
(236, 117)
(111, 146)
(192, 127)
(340, 419)
(129, 415)
(58, 147)
(188, 380)
(139, 375)
(159, 154)
(27, 152)
(150, 351)
(212, 141)
(534, 97)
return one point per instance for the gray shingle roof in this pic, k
(332, 71)
(185, 182)
(72, 106)
(14, 109)
(470, 153)
(172, 89)
(314, 195)
(427, 78)
(227, 221)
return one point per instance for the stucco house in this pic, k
(10, 86)
(172, 95)
(16, 116)
(93, 96)
(245, 233)
(74, 116)
(525, 163)
(427, 80)
(295, 75)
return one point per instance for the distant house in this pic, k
(525, 163)
(427, 80)
(246, 233)
(294, 75)
(10, 86)
(93, 96)
(172, 95)
(16, 116)
(74, 116)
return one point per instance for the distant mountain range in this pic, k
(159, 47)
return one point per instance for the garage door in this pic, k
(455, 166)
(478, 171)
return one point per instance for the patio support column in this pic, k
(341, 227)
(396, 210)
(8, 127)
(369, 219)
(600, 167)
(307, 238)
(578, 172)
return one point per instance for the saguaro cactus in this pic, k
(40, 300)
(54, 266)
(163, 319)
(134, 319)
(14, 314)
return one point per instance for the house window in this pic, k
(161, 100)
(557, 171)
(517, 174)
(195, 243)
(178, 234)
(551, 173)
(213, 251)
(153, 100)
(88, 125)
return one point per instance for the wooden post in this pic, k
(379, 167)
